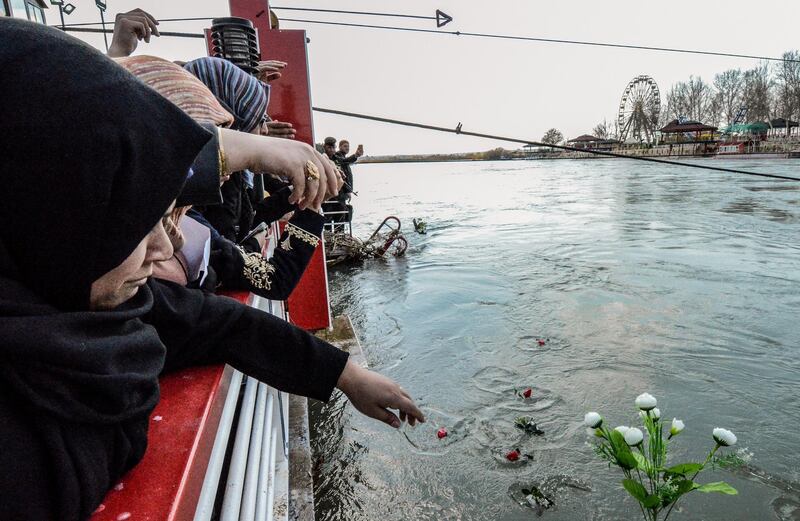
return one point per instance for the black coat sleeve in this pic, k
(202, 187)
(201, 328)
(272, 208)
(274, 278)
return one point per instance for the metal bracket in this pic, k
(442, 18)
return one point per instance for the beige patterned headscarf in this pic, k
(195, 99)
(178, 86)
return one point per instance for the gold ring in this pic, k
(312, 172)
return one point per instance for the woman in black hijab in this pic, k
(92, 162)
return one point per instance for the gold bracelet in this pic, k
(223, 163)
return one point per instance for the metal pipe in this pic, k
(250, 491)
(232, 502)
(208, 493)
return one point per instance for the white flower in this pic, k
(724, 437)
(633, 436)
(622, 429)
(676, 428)
(645, 402)
(593, 420)
(655, 414)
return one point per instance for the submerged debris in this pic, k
(527, 424)
(536, 499)
(340, 246)
(420, 226)
(541, 496)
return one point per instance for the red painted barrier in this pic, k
(166, 484)
(291, 101)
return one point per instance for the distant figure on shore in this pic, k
(344, 161)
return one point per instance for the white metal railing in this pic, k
(257, 483)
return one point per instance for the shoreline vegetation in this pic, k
(771, 150)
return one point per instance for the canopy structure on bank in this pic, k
(591, 142)
(782, 126)
(677, 131)
(757, 128)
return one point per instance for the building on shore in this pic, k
(592, 143)
(687, 132)
(782, 127)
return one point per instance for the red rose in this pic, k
(513, 455)
(441, 433)
(527, 392)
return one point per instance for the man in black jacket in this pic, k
(344, 161)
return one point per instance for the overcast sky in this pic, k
(494, 86)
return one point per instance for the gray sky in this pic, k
(505, 87)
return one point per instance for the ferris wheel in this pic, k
(639, 109)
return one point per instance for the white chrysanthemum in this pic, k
(676, 427)
(593, 420)
(646, 401)
(655, 414)
(633, 436)
(724, 437)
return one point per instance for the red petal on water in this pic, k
(540, 342)
(441, 433)
(527, 392)
(512, 455)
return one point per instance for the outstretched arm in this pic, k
(200, 328)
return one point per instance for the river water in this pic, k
(680, 282)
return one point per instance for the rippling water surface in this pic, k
(683, 283)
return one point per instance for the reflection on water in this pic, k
(639, 277)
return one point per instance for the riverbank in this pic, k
(779, 149)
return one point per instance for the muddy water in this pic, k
(685, 284)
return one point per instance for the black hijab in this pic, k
(90, 159)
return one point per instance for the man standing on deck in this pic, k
(344, 162)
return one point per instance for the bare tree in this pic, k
(729, 85)
(693, 99)
(601, 130)
(757, 95)
(787, 97)
(552, 137)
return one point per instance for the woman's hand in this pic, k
(270, 70)
(374, 394)
(282, 129)
(283, 158)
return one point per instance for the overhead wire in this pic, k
(461, 131)
(541, 40)
(111, 31)
(469, 34)
(364, 13)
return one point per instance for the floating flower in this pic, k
(513, 455)
(540, 341)
(593, 420)
(724, 437)
(676, 427)
(527, 392)
(622, 429)
(441, 433)
(633, 436)
(527, 424)
(646, 402)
